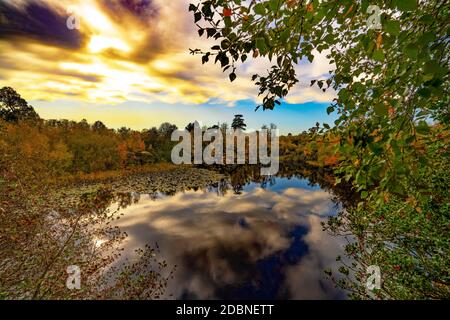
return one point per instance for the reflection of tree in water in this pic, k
(242, 175)
(268, 181)
(145, 275)
(343, 192)
(141, 278)
(83, 235)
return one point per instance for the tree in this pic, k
(124, 132)
(167, 128)
(238, 122)
(83, 125)
(224, 127)
(13, 108)
(392, 81)
(389, 80)
(190, 127)
(98, 126)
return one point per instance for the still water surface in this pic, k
(257, 241)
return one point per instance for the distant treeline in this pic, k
(64, 146)
(70, 147)
(61, 148)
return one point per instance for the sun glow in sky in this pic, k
(128, 64)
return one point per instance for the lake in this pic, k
(245, 239)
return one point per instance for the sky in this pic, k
(127, 63)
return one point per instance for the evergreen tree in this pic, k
(238, 122)
(13, 108)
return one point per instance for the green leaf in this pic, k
(411, 51)
(433, 67)
(330, 109)
(422, 127)
(261, 45)
(284, 36)
(274, 5)
(260, 9)
(206, 9)
(426, 38)
(393, 27)
(424, 92)
(343, 95)
(377, 149)
(225, 44)
(378, 55)
(381, 110)
(224, 61)
(197, 16)
(405, 5)
(228, 22)
(210, 32)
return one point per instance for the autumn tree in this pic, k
(389, 80)
(389, 63)
(124, 132)
(99, 126)
(167, 128)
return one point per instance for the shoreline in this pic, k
(168, 180)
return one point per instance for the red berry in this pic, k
(226, 12)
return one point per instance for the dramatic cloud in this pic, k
(36, 21)
(123, 50)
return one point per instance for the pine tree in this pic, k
(238, 122)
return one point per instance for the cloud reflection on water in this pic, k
(261, 244)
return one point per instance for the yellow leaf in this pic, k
(379, 40)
